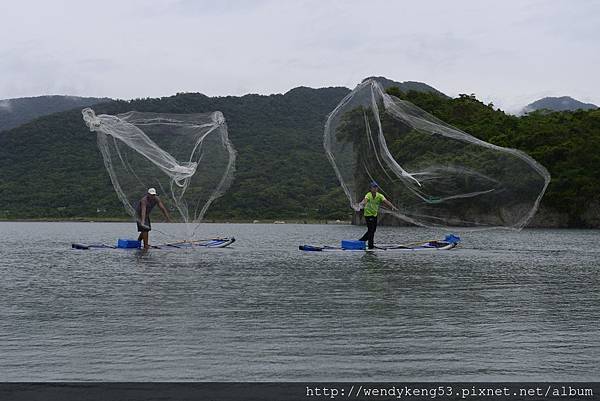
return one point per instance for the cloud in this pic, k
(502, 51)
(216, 7)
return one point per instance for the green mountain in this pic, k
(406, 86)
(51, 167)
(14, 112)
(564, 103)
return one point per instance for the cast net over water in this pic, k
(435, 174)
(187, 158)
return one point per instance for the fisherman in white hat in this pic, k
(144, 207)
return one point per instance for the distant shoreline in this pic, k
(265, 221)
(207, 221)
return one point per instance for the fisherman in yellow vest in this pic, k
(371, 204)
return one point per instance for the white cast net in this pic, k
(435, 174)
(187, 158)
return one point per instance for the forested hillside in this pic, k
(51, 167)
(566, 143)
(14, 112)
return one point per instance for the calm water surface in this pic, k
(503, 306)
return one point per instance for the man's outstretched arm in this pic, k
(389, 204)
(164, 210)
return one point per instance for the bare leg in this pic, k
(144, 235)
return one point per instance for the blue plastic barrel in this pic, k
(128, 243)
(353, 244)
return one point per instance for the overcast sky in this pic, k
(506, 52)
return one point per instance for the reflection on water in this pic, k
(503, 306)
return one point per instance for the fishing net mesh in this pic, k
(434, 174)
(187, 158)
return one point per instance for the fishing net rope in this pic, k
(187, 158)
(434, 174)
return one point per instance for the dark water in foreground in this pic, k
(504, 306)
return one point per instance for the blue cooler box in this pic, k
(128, 243)
(353, 244)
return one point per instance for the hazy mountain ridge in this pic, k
(17, 111)
(562, 103)
(406, 86)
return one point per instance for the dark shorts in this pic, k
(147, 224)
